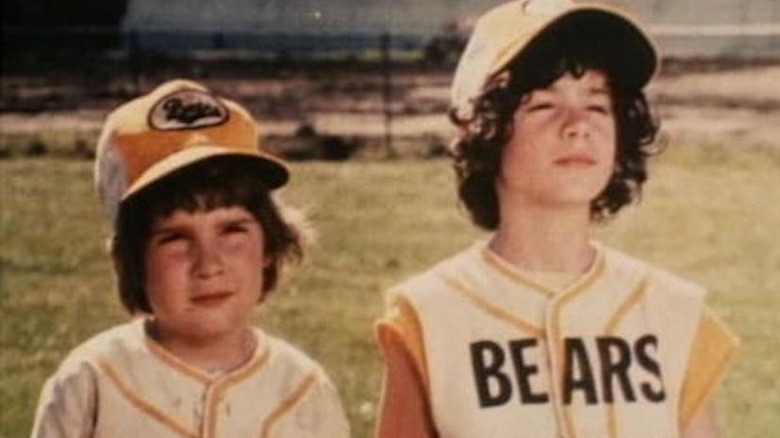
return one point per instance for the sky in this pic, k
(405, 16)
(684, 26)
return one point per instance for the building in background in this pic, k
(684, 28)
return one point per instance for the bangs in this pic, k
(546, 61)
(202, 187)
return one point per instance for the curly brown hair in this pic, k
(478, 150)
(218, 182)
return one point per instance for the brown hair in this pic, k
(219, 182)
(477, 152)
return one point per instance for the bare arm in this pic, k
(404, 410)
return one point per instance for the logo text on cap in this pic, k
(187, 109)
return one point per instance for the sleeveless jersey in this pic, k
(504, 356)
(123, 384)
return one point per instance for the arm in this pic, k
(66, 408)
(404, 410)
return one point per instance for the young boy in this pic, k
(541, 332)
(199, 239)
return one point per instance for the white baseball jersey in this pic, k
(123, 384)
(607, 356)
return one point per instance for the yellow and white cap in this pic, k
(178, 124)
(505, 31)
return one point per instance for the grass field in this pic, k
(710, 213)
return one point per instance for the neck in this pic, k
(215, 354)
(541, 238)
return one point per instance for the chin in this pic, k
(216, 328)
(581, 192)
(579, 197)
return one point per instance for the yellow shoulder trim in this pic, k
(513, 273)
(405, 322)
(470, 292)
(289, 403)
(634, 298)
(518, 276)
(714, 349)
(412, 331)
(138, 401)
(177, 363)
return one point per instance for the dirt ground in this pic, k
(724, 106)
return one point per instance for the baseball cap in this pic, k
(507, 30)
(178, 124)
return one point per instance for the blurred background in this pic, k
(356, 94)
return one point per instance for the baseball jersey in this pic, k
(625, 351)
(121, 383)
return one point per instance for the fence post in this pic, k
(136, 59)
(387, 91)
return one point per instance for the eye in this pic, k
(167, 237)
(235, 228)
(538, 106)
(169, 240)
(600, 109)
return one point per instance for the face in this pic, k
(562, 148)
(204, 272)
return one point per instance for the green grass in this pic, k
(710, 213)
(52, 142)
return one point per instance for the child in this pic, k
(541, 332)
(199, 240)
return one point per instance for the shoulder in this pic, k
(662, 281)
(434, 279)
(285, 356)
(110, 342)
(73, 386)
(673, 302)
(310, 404)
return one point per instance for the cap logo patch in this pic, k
(187, 109)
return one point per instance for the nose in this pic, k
(208, 260)
(576, 125)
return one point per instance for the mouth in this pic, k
(210, 300)
(575, 161)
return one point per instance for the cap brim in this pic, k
(635, 55)
(270, 170)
